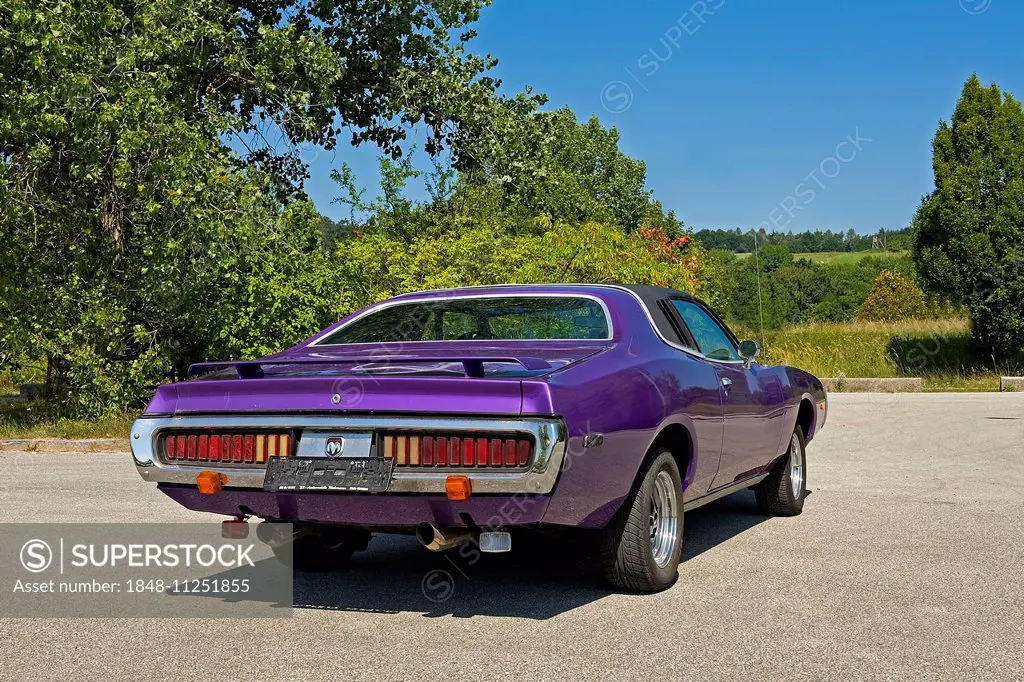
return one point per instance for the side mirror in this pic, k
(748, 351)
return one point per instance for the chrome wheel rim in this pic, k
(664, 519)
(796, 467)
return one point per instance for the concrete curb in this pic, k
(52, 445)
(1011, 383)
(858, 385)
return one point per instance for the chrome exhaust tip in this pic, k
(438, 540)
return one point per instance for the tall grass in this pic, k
(940, 351)
(38, 419)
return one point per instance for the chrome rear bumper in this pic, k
(548, 434)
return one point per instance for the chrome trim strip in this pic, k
(390, 303)
(548, 434)
(358, 445)
(722, 492)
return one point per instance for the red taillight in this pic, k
(236, 448)
(456, 451)
(427, 454)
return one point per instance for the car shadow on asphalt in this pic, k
(714, 523)
(541, 578)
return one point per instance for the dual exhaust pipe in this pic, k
(433, 538)
(274, 535)
(439, 540)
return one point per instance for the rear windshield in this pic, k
(471, 319)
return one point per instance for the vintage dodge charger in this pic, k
(468, 415)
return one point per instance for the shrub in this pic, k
(893, 298)
(377, 265)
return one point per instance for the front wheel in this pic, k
(782, 493)
(641, 547)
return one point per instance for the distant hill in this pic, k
(827, 241)
(843, 257)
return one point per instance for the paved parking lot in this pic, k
(907, 563)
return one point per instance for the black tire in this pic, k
(775, 494)
(627, 547)
(326, 550)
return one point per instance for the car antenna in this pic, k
(760, 305)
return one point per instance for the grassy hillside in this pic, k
(843, 257)
(848, 257)
(937, 350)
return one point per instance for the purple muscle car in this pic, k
(470, 414)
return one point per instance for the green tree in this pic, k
(772, 257)
(547, 163)
(968, 232)
(134, 237)
(472, 235)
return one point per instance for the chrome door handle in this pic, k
(726, 382)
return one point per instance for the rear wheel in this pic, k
(782, 493)
(640, 548)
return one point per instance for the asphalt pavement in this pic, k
(907, 564)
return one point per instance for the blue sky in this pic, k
(739, 107)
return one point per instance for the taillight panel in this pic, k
(416, 451)
(456, 451)
(232, 448)
(542, 442)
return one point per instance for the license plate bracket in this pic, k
(371, 474)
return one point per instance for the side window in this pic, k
(711, 339)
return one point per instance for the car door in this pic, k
(691, 387)
(748, 440)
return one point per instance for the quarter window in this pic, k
(713, 341)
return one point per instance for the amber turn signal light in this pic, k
(458, 488)
(210, 482)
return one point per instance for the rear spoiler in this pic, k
(253, 369)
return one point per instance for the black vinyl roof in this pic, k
(650, 296)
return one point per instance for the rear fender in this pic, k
(685, 452)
